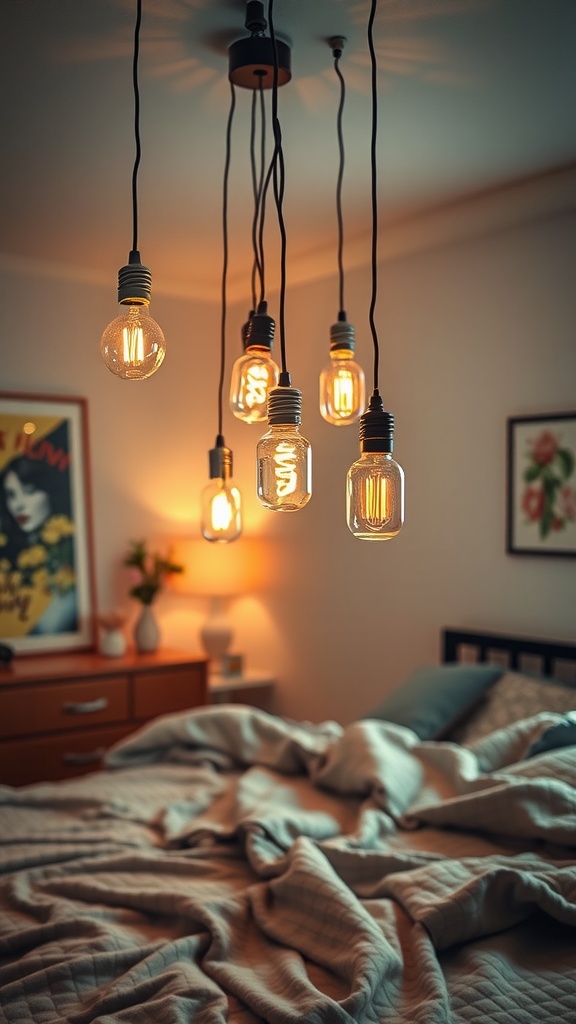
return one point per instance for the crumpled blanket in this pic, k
(234, 866)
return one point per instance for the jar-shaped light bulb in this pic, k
(284, 457)
(375, 483)
(342, 382)
(254, 373)
(221, 503)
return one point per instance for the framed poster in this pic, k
(46, 565)
(541, 513)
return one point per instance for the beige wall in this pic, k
(470, 333)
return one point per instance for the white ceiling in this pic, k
(472, 94)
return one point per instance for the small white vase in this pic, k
(112, 643)
(146, 631)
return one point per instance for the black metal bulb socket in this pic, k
(220, 460)
(255, 19)
(342, 335)
(246, 327)
(260, 329)
(134, 281)
(284, 406)
(376, 429)
(251, 62)
(336, 44)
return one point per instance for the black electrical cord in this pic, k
(374, 190)
(337, 53)
(254, 174)
(225, 256)
(277, 168)
(136, 126)
(262, 217)
(257, 191)
(261, 192)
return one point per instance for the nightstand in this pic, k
(59, 713)
(254, 687)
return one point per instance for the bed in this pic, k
(418, 865)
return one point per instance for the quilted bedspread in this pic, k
(229, 865)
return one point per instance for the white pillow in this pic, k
(511, 698)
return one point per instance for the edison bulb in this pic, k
(133, 345)
(221, 514)
(284, 460)
(375, 497)
(221, 517)
(254, 374)
(342, 388)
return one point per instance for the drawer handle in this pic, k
(89, 758)
(85, 707)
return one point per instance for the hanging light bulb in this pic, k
(254, 373)
(375, 483)
(221, 516)
(220, 502)
(257, 63)
(342, 382)
(284, 457)
(133, 345)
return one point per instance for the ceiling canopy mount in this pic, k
(251, 60)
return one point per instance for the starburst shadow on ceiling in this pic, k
(184, 44)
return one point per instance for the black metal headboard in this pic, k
(547, 657)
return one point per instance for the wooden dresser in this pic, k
(59, 713)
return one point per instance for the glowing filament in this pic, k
(221, 512)
(133, 345)
(377, 511)
(257, 380)
(343, 393)
(285, 469)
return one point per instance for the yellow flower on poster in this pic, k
(46, 590)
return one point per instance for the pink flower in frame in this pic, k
(533, 503)
(544, 448)
(541, 514)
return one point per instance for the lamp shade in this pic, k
(220, 570)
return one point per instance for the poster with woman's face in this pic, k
(45, 564)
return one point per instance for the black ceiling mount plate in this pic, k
(251, 60)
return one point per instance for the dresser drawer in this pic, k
(56, 757)
(70, 705)
(60, 712)
(161, 692)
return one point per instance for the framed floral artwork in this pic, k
(541, 513)
(46, 562)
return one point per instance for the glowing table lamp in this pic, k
(220, 572)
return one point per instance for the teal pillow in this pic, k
(435, 698)
(561, 735)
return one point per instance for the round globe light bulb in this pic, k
(133, 345)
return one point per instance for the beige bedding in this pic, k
(233, 866)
